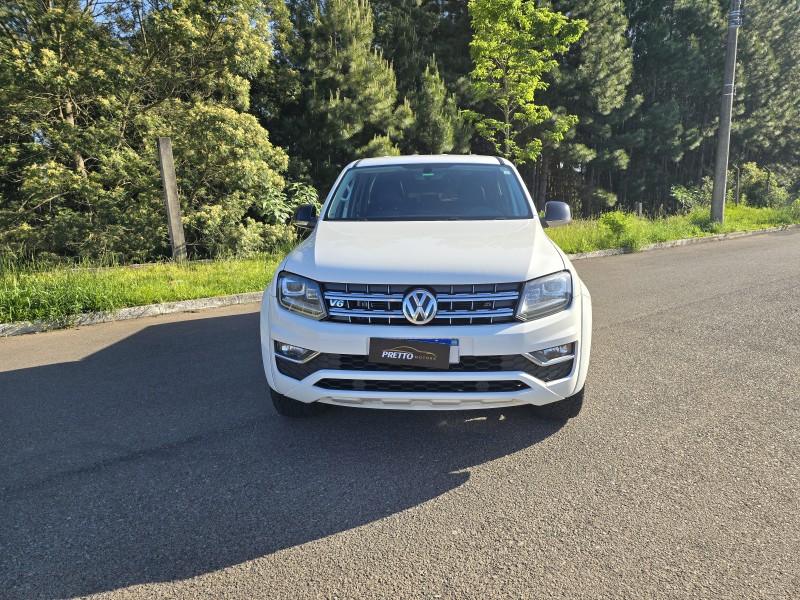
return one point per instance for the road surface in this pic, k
(141, 459)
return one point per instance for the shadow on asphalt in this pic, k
(159, 458)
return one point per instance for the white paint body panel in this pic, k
(428, 253)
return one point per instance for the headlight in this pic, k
(301, 296)
(545, 296)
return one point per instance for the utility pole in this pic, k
(726, 108)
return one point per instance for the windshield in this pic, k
(429, 192)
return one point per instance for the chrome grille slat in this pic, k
(458, 304)
(364, 297)
(475, 314)
(343, 312)
(476, 297)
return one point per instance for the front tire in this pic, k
(294, 409)
(562, 410)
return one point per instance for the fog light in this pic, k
(552, 356)
(293, 353)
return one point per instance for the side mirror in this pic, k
(305, 217)
(556, 214)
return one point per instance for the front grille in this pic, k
(468, 364)
(457, 304)
(379, 385)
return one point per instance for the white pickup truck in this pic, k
(427, 283)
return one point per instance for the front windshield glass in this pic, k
(429, 192)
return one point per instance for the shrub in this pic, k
(761, 188)
(622, 229)
(691, 198)
(617, 222)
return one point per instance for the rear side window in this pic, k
(445, 192)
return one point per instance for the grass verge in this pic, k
(32, 292)
(623, 230)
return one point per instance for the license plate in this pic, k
(417, 353)
(455, 354)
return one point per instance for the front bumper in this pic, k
(350, 382)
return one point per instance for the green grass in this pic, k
(621, 230)
(36, 291)
(33, 292)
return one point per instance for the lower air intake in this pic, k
(440, 387)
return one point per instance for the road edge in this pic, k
(124, 314)
(152, 310)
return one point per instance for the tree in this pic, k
(766, 129)
(88, 87)
(514, 45)
(679, 51)
(590, 82)
(404, 36)
(450, 43)
(437, 122)
(61, 71)
(348, 106)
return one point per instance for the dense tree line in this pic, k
(602, 103)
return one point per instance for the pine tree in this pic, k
(766, 128)
(437, 121)
(679, 50)
(404, 35)
(591, 82)
(352, 101)
(451, 39)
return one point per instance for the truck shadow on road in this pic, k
(159, 458)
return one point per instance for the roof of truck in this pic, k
(474, 159)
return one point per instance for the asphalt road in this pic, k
(141, 459)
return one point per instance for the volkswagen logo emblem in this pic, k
(419, 307)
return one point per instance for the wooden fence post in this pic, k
(638, 209)
(170, 184)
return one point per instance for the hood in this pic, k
(425, 252)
